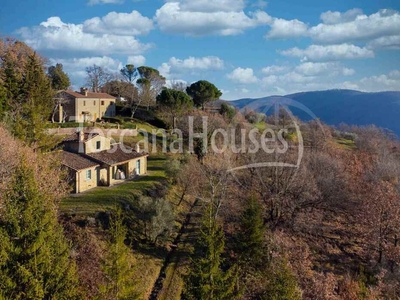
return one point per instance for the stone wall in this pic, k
(101, 131)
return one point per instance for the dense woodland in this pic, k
(327, 230)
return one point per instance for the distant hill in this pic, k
(338, 106)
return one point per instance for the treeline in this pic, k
(327, 230)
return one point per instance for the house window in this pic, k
(94, 102)
(88, 174)
(84, 103)
(98, 145)
(102, 102)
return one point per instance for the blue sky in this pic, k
(247, 48)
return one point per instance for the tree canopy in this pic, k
(176, 101)
(58, 78)
(150, 85)
(96, 77)
(129, 72)
(203, 92)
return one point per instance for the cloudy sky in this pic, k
(247, 48)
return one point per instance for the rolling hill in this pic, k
(336, 106)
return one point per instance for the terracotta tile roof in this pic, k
(74, 137)
(90, 95)
(76, 162)
(115, 155)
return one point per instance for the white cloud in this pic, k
(328, 53)
(336, 17)
(170, 83)
(220, 19)
(165, 70)
(328, 68)
(137, 60)
(120, 24)
(79, 64)
(54, 34)
(260, 4)
(281, 28)
(95, 2)
(244, 76)
(383, 23)
(274, 69)
(200, 63)
(394, 74)
(208, 6)
(245, 91)
(388, 82)
(294, 82)
(178, 66)
(270, 80)
(387, 42)
(75, 67)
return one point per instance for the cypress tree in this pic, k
(118, 265)
(34, 256)
(207, 280)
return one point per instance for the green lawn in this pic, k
(104, 198)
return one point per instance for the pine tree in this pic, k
(251, 240)
(207, 280)
(118, 265)
(34, 256)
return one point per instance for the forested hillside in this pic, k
(341, 106)
(208, 221)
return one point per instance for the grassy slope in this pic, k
(103, 198)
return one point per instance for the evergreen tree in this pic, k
(34, 109)
(34, 256)
(10, 88)
(58, 78)
(228, 111)
(282, 284)
(175, 102)
(118, 265)
(203, 92)
(129, 72)
(207, 280)
(250, 239)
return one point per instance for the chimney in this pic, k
(137, 148)
(81, 136)
(84, 91)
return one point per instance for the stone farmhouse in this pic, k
(94, 160)
(83, 106)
